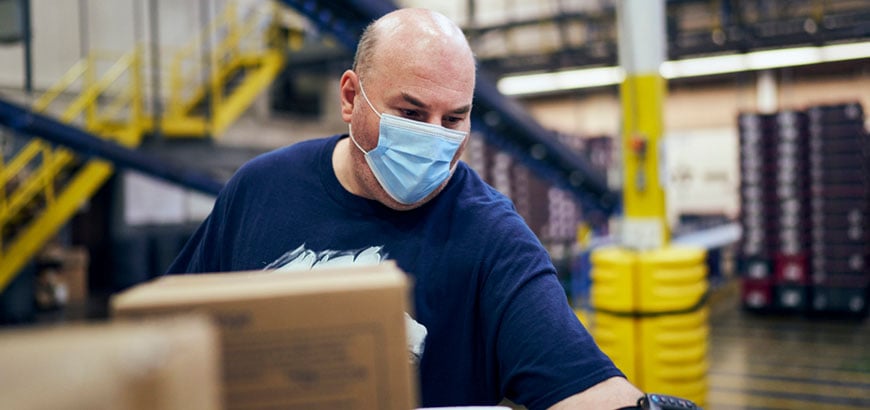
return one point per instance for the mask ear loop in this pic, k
(350, 133)
(350, 128)
(363, 92)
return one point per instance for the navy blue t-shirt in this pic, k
(498, 320)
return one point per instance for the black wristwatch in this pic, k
(662, 402)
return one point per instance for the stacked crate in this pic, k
(775, 207)
(792, 236)
(755, 258)
(840, 187)
(805, 189)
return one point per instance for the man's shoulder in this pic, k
(480, 205)
(475, 195)
(302, 154)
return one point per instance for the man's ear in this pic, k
(347, 89)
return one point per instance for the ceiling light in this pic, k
(787, 57)
(702, 66)
(525, 84)
(841, 52)
(560, 80)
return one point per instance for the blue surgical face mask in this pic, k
(412, 158)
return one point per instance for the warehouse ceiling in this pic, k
(575, 36)
(512, 36)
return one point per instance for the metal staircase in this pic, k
(45, 182)
(246, 55)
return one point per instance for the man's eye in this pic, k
(451, 121)
(410, 113)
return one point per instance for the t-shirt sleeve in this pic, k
(202, 252)
(197, 254)
(230, 238)
(544, 352)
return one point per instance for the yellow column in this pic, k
(641, 53)
(649, 311)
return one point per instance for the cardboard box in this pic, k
(157, 364)
(75, 270)
(61, 278)
(328, 338)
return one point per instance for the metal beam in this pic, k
(26, 122)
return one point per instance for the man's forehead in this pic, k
(420, 100)
(417, 102)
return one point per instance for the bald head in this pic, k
(412, 34)
(416, 65)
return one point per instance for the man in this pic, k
(496, 319)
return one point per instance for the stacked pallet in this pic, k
(804, 213)
(840, 186)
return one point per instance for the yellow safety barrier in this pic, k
(650, 317)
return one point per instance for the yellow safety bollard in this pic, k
(673, 322)
(611, 296)
(650, 317)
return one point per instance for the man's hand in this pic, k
(610, 394)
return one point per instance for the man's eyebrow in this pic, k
(414, 101)
(465, 109)
(417, 103)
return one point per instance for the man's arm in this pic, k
(613, 393)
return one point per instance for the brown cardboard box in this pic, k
(323, 339)
(156, 364)
(75, 270)
(62, 278)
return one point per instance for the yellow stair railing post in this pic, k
(176, 85)
(3, 202)
(89, 80)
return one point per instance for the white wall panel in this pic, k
(57, 40)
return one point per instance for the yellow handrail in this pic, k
(31, 176)
(24, 156)
(223, 57)
(73, 74)
(178, 78)
(53, 160)
(113, 108)
(89, 97)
